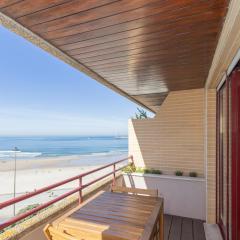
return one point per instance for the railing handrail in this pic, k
(44, 189)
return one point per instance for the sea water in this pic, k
(52, 146)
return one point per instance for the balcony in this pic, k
(171, 57)
(33, 222)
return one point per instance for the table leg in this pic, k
(161, 225)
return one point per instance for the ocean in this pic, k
(54, 146)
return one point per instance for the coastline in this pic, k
(61, 161)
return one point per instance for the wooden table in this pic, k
(118, 216)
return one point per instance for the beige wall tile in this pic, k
(174, 139)
(211, 155)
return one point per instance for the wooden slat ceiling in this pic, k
(146, 48)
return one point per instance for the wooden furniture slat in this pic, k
(120, 214)
(156, 215)
(94, 224)
(136, 191)
(108, 221)
(129, 203)
(104, 230)
(128, 206)
(53, 234)
(129, 197)
(90, 215)
(114, 227)
(119, 208)
(122, 209)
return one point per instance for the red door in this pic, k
(235, 156)
(228, 157)
(222, 156)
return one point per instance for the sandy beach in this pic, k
(39, 172)
(60, 161)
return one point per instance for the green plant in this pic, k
(156, 171)
(178, 173)
(141, 114)
(140, 170)
(193, 174)
(23, 210)
(147, 170)
(27, 208)
(129, 169)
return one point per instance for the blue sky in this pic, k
(40, 95)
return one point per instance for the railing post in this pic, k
(80, 191)
(114, 174)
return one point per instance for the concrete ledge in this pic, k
(173, 177)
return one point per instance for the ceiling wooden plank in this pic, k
(167, 10)
(148, 22)
(141, 52)
(25, 7)
(124, 46)
(150, 61)
(60, 11)
(80, 14)
(6, 3)
(180, 27)
(203, 31)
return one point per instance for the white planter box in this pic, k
(183, 196)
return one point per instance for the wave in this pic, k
(10, 154)
(111, 152)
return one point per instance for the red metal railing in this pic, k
(78, 189)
